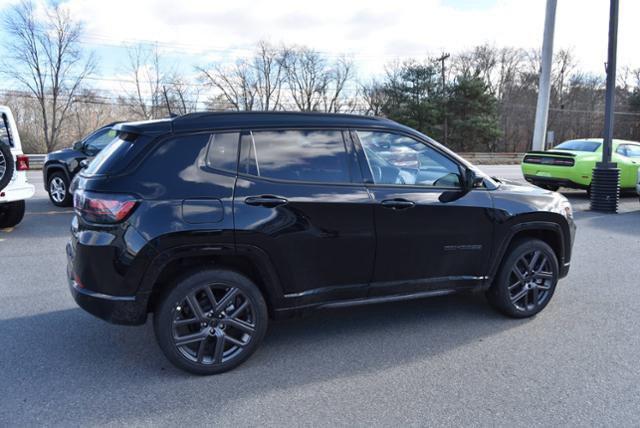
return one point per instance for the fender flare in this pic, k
(520, 227)
(254, 255)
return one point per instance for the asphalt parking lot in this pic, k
(443, 361)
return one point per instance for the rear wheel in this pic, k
(211, 322)
(58, 188)
(6, 165)
(11, 214)
(526, 280)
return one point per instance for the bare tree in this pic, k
(146, 98)
(236, 84)
(269, 76)
(307, 77)
(374, 97)
(44, 56)
(334, 98)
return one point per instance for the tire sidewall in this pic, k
(67, 197)
(11, 213)
(498, 294)
(163, 325)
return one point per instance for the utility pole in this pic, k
(544, 91)
(605, 184)
(445, 125)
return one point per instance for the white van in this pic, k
(14, 188)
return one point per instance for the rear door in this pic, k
(430, 234)
(299, 198)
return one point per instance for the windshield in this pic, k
(579, 146)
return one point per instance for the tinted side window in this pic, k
(99, 140)
(397, 159)
(223, 151)
(299, 155)
(633, 151)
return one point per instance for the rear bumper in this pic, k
(553, 181)
(129, 310)
(15, 192)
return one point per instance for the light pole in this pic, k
(605, 184)
(445, 125)
(544, 91)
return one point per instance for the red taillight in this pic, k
(22, 163)
(103, 207)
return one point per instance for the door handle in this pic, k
(398, 204)
(269, 201)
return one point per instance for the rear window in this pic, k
(579, 146)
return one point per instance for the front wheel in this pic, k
(212, 321)
(58, 188)
(526, 280)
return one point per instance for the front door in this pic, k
(430, 234)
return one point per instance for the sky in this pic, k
(373, 32)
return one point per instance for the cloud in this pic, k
(374, 32)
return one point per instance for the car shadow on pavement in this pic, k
(70, 364)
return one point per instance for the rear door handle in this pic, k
(269, 201)
(398, 204)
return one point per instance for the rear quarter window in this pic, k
(5, 133)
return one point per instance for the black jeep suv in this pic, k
(216, 222)
(62, 165)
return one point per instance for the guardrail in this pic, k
(481, 158)
(36, 161)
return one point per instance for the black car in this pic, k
(216, 222)
(62, 165)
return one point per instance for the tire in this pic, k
(7, 165)
(221, 336)
(11, 214)
(524, 295)
(58, 189)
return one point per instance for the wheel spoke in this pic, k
(543, 275)
(518, 272)
(234, 341)
(240, 325)
(534, 261)
(195, 306)
(240, 309)
(190, 338)
(514, 285)
(520, 295)
(180, 323)
(211, 297)
(219, 349)
(534, 292)
(544, 287)
(224, 302)
(201, 348)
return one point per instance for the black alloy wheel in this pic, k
(526, 281)
(211, 322)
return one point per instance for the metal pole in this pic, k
(544, 92)
(605, 182)
(611, 83)
(445, 124)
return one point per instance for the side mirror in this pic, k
(472, 180)
(77, 146)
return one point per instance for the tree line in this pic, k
(482, 99)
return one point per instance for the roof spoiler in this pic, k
(551, 152)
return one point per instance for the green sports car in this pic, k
(570, 164)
